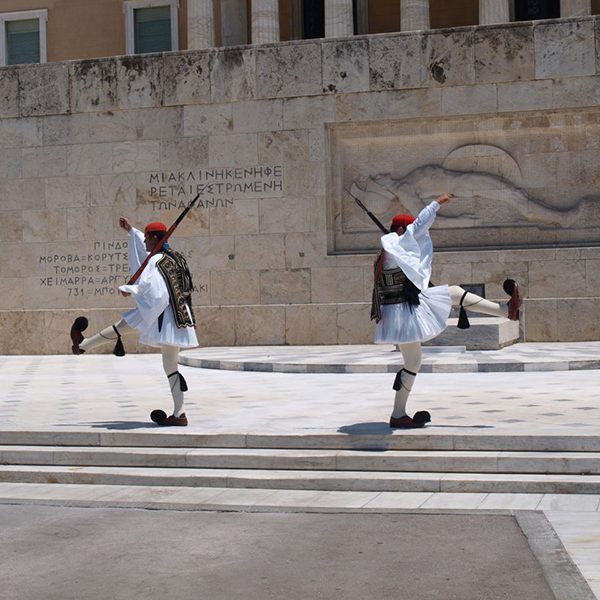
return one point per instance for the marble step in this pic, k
(448, 461)
(306, 480)
(260, 499)
(362, 437)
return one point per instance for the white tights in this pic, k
(170, 359)
(411, 353)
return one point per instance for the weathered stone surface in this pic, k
(362, 106)
(396, 62)
(20, 132)
(139, 81)
(469, 99)
(184, 153)
(11, 162)
(232, 74)
(542, 319)
(241, 218)
(288, 70)
(186, 78)
(281, 215)
(338, 284)
(308, 111)
(256, 325)
(11, 222)
(449, 57)
(354, 324)
(12, 293)
(87, 159)
(311, 324)
(130, 157)
(65, 192)
(142, 124)
(504, 54)
(290, 286)
(258, 115)
(346, 66)
(592, 277)
(9, 92)
(585, 327)
(207, 119)
(22, 194)
(93, 85)
(216, 326)
(113, 190)
(226, 150)
(14, 266)
(264, 251)
(577, 91)
(543, 282)
(277, 147)
(44, 89)
(234, 287)
(45, 161)
(415, 103)
(44, 225)
(564, 49)
(65, 129)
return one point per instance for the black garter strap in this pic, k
(183, 386)
(398, 380)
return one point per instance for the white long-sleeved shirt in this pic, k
(413, 250)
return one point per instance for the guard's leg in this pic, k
(177, 383)
(403, 384)
(476, 303)
(110, 334)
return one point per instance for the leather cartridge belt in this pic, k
(391, 286)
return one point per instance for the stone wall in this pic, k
(273, 137)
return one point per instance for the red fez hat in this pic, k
(155, 227)
(402, 220)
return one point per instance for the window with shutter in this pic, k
(23, 37)
(152, 29)
(151, 26)
(22, 42)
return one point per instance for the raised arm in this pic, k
(426, 217)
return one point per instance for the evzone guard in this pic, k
(408, 312)
(161, 288)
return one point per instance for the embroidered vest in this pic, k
(173, 267)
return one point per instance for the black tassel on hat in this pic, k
(119, 348)
(463, 320)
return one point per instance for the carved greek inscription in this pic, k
(95, 273)
(219, 187)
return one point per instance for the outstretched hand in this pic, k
(124, 223)
(444, 198)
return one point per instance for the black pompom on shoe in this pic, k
(158, 416)
(80, 324)
(421, 417)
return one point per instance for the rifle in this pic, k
(371, 215)
(167, 235)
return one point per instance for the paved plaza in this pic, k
(105, 395)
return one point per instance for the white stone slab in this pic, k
(398, 500)
(454, 501)
(511, 501)
(570, 502)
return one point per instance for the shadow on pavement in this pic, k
(372, 428)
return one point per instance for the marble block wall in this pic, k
(262, 134)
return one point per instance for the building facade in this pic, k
(277, 138)
(54, 30)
